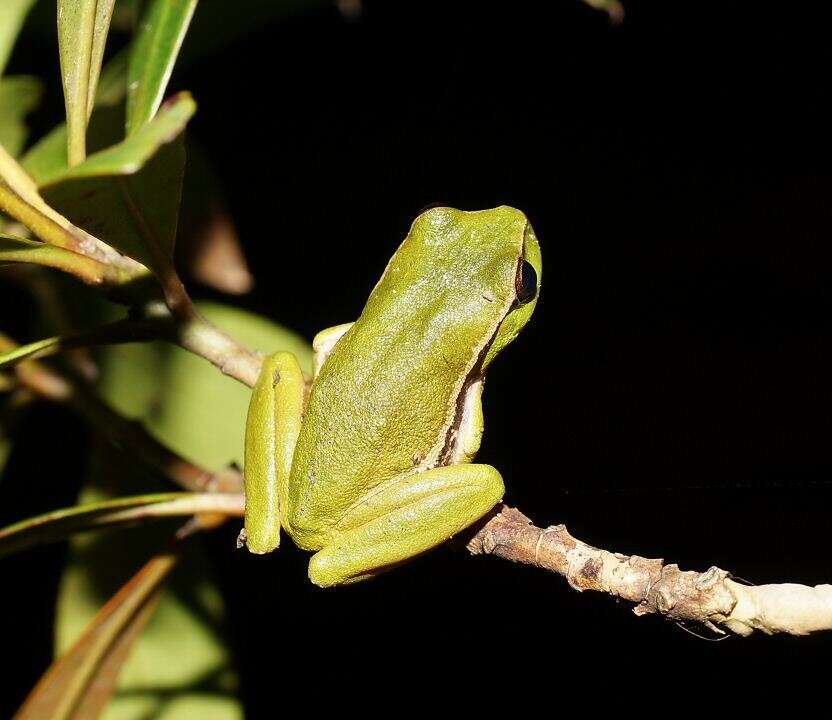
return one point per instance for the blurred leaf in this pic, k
(18, 250)
(112, 85)
(128, 195)
(166, 387)
(10, 357)
(208, 245)
(59, 524)
(12, 15)
(155, 49)
(180, 667)
(613, 8)
(70, 687)
(126, 15)
(82, 33)
(19, 95)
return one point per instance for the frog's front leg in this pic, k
(272, 428)
(405, 518)
(325, 341)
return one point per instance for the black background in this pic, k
(671, 396)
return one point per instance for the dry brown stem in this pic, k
(710, 598)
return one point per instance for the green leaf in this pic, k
(180, 667)
(82, 679)
(128, 156)
(19, 95)
(157, 44)
(82, 34)
(47, 157)
(59, 524)
(18, 250)
(12, 15)
(112, 85)
(30, 350)
(166, 387)
(20, 199)
(128, 195)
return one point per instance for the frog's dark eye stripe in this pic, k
(526, 282)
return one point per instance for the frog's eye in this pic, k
(526, 282)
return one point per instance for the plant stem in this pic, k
(209, 342)
(710, 598)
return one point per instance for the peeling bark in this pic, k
(710, 598)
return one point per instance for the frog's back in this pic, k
(385, 398)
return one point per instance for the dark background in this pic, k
(671, 396)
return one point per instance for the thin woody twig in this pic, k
(196, 335)
(711, 598)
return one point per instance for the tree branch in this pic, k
(711, 598)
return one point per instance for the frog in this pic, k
(369, 463)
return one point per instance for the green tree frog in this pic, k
(369, 464)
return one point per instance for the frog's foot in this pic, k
(405, 519)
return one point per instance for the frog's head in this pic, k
(465, 280)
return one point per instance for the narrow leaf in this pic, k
(20, 199)
(208, 244)
(19, 95)
(18, 250)
(59, 524)
(157, 44)
(12, 15)
(97, 698)
(130, 155)
(61, 692)
(112, 85)
(47, 157)
(82, 34)
(128, 195)
(181, 667)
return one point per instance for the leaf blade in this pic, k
(82, 34)
(128, 156)
(87, 269)
(61, 690)
(129, 194)
(19, 96)
(59, 524)
(20, 199)
(12, 15)
(154, 54)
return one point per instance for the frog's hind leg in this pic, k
(408, 517)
